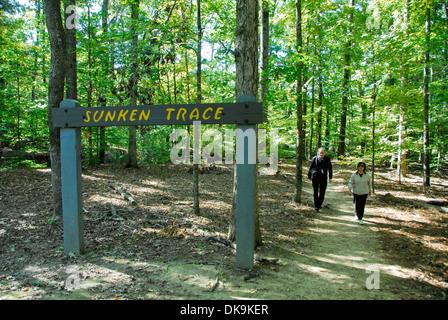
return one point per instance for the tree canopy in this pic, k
(370, 72)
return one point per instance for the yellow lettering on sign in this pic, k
(110, 116)
(122, 114)
(144, 115)
(169, 113)
(194, 113)
(218, 111)
(95, 114)
(205, 111)
(133, 113)
(87, 116)
(184, 111)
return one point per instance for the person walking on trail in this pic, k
(360, 187)
(320, 170)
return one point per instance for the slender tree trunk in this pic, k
(320, 113)
(373, 140)
(90, 87)
(345, 85)
(264, 50)
(446, 33)
(71, 74)
(373, 99)
(133, 81)
(102, 98)
(327, 138)
(198, 100)
(426, 149)
(320, 93)
(310, 147)
(402, 127)
(19, 144)
(299, 112)
(56, 93)
(400, 144)
(187, 75)
(246, 58)
(174, 75)
(304, 111)
(36, 55)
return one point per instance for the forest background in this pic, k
(373, 76)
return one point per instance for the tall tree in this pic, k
(198, 100)
(246, 58)
(71, 73)
(55, 93)
(264, 49)
(106, 67)
(133, 81)
(90, 80)
(300, 146)
(426, 146)
(345, 83)
(402, 153)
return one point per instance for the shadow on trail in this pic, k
(344, 259)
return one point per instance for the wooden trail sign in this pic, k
(70, 118)
(216, 113)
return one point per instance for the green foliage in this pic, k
(385, 88)
(155, 145)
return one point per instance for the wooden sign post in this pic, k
(246, 155)
(245, 114)
(71, 185)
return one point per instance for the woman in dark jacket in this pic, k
(320, 169)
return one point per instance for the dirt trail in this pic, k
(339, 260)
(331, 262)
(343, 259)
(325, 255)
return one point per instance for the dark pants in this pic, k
(359, 201)
(319, 186)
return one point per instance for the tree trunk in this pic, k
(133, 81)
(102, 98)
(71, 73)
(373, 142)
(319, 115)
(304, 110)
(345, 84)
(264, 50)
(55, 93)
(90, 87)
(246, 58)
(363, 141)
(426, 149)
(300, 147)
(400, 145)
(310, 147)
(373, 101)
(401, 169)
(198, 100)
(320, 93)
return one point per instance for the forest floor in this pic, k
(157, 249)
